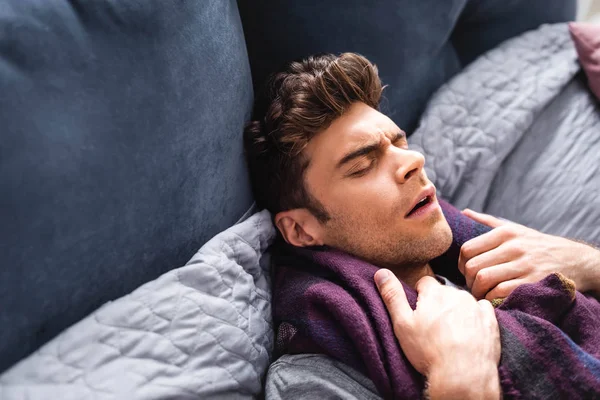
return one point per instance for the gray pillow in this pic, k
(516, 135)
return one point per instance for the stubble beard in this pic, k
(397, 254)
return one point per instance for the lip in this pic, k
(427, 192)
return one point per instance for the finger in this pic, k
(428, 290)
(497, 256)
(481, 244)
(486, 307)
(394, 297)
(489, 317)
(488, 278)
(488, 311)
(425, 284)
(504, 289)
(484, 219)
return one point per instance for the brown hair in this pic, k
(298, 103)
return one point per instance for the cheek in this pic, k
(375, 195)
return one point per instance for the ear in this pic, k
(299, 227)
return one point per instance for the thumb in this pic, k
(484, 219)
(394, 297)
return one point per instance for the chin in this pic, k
(441, 238)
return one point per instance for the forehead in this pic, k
(359, 125)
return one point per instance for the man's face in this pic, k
(362, 172)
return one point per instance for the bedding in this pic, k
(200, 331)
(517, 135)
(204, 330)
(120, 123)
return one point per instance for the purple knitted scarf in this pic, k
(326, 302)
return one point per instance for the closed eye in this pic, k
(362, 170)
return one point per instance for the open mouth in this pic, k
(422, 203)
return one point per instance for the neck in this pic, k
(411, 276)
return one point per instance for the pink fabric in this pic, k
(587, 42)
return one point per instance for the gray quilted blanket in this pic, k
(517, 135)
(202, 331)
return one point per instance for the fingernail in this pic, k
(381, 276)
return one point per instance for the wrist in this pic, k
(451, 382)
(589, 276)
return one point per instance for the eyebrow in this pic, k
(367, 149)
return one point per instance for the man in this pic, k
(336, 172)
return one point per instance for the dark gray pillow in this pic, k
(417, 44)
(121, 150)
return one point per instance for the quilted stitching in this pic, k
(516, 135)
(474, 121)
(200, 331)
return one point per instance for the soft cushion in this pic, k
(516, 135)
(587, 43)
(417, 45)
(203, 331)
(408, 40)
(484, 24)
(121, 150)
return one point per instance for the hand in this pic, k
(450, 338)
(496, 263)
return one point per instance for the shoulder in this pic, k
(310, 376)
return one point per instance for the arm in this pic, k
(450, 338)
(497, 262)
(589, 270)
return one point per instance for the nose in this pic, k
(410, 165)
